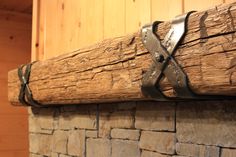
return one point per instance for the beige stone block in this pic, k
(35, 155)
(35, 126)
(64, 121)
(82, 119)
(116, 119)
(40, 144)
(63, 155)
(162, 142)
(193, 150)
(207, 123)
(76, 143)
(92, 133)
(226, 152)
(45, 144)
(125, 148)
(34, 143)
(125, 134)
(126, 105)
(54, 155)
(46, 122)
(159, 116)
(152, 154)
(98, 148)
(60, 141)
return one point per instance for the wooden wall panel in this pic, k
(197, 5)
(165, 9)
(114, 18)
(62, 26)
(138, 13)
(24, 6)
(6, 153)
(15, 44)
(91, 22)
(67, 25)
(229, 1)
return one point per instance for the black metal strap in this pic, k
(164, 62)
(25, 95)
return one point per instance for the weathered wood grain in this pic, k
(112, 69)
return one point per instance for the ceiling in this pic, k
(24, 6)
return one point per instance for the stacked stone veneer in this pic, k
(135, 129)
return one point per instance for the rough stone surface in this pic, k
(152, 154)
(118, 136)
(209, 123)
(228, 152)
(155, 116)
(40, 144)
(63, 155)
(34, 143)
(92, 134)
(35, 125)
(124, 148)
(76, 143)
(54, 154)
(35, 155)
(60, 139)
(193, 150)
(162, 142)
(125, 134)
(64, 121)
(80, 119)
(114, 119)
(126, 105)
(98, 148)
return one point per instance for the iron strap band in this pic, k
(25, 95)
(163, 60)
(164, 63)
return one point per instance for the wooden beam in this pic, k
(112, 70)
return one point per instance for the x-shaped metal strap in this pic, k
(25, 95)
(163, 60)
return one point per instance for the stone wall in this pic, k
(135, 129)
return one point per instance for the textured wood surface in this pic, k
(112, 70)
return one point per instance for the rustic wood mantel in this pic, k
(112, 70)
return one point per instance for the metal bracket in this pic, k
(163, 60)
(25, 95)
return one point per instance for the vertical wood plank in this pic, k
(70, 25)
(91, 24)
(200, 4)
(165, 9)
(138, 13)
(229, 1)
(114, 18)
(51, 34)
(35, 30)
(41, 30)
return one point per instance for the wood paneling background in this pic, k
(15, 42)
(62, 26)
